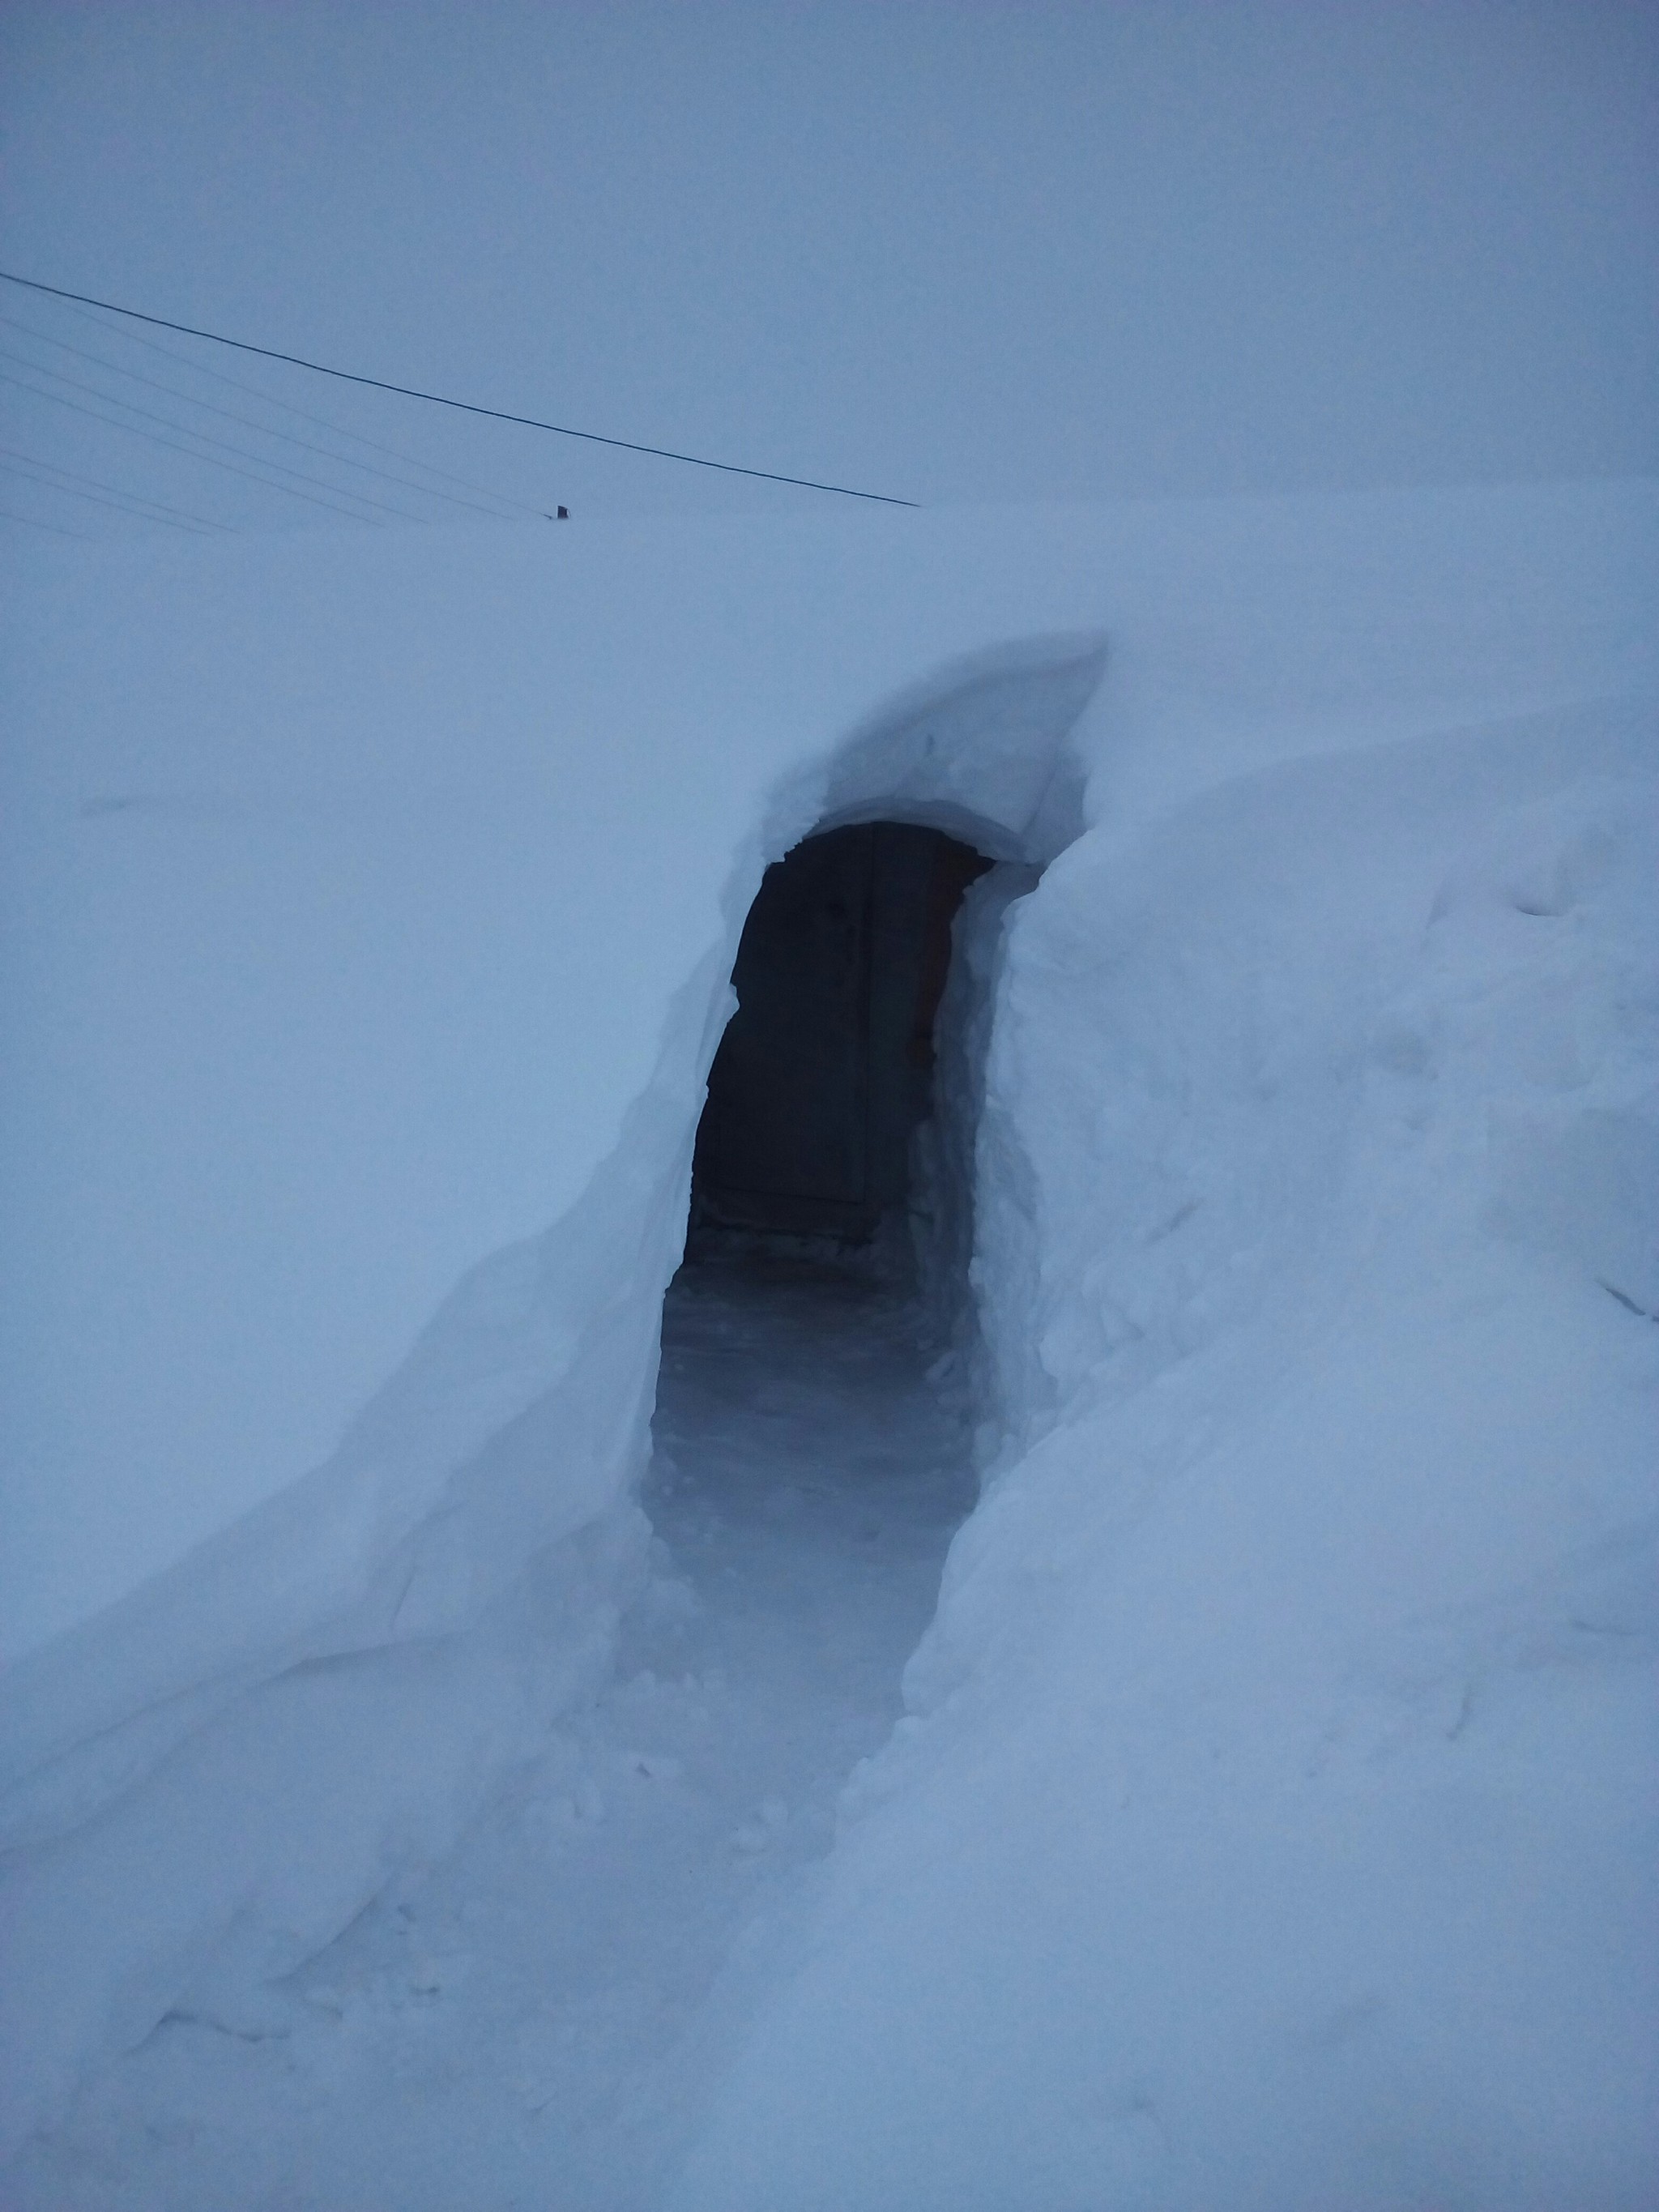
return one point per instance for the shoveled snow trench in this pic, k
(531, 2025)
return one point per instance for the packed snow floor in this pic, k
(532, 2024)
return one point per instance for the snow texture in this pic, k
(1273, 1820)
(1277, 1823)
(536, 2013)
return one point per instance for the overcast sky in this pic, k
(949, 252)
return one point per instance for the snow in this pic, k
(1271, 1818)
(539, 2003)
(412, 796)
(1279, 1821)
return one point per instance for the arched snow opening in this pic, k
(937, 813)
(824, 1077)
(980, 754)
(362, 1654)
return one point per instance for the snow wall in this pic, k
(1272, 1820)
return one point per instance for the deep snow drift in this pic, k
(1278, 1823)
(532, 2024)
(1272, 1819)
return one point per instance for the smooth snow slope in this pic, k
(360, 891)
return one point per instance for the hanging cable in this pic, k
(148, 510)
(253, 475)
(463, 406)
(56, 529)
(206, 437)
(287, 437)
(319, 421)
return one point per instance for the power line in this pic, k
(148, 510)
(286, 437)
(322, 422)
(253, 475)
(55, 528)
(118, 491)
(203, 437)
(70, 491)
(463, 406)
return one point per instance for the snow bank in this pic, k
(1276, 1822)
(349, 885)
(187, 1745)
(372, 910)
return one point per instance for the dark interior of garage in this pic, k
(825, 1069)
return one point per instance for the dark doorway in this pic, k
(825, 1070)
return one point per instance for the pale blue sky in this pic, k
(953, 251)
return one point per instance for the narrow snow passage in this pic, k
(532, 2023)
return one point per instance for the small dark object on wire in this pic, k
(463, 406)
